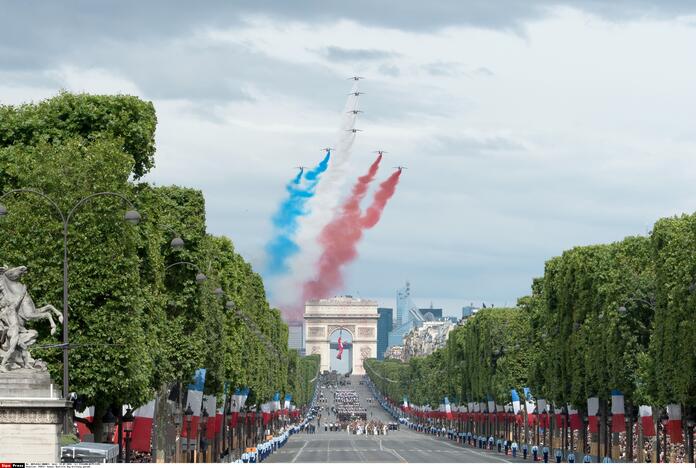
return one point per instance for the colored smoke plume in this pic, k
(340, 237)
(321, 210)
(285, 220)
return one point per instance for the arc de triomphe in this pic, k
(356, 316)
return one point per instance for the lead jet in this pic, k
(327, 149)
(302, 168)
(356, 78)
(354, 130)
(380, 152)
(354, 112)
(401, 168)
(355, 93)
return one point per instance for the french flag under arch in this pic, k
(618, 418)
(340, 348)
(238, 400)
(141, 437)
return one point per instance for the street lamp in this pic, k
(128, 423)
(229, 305)
(204, 427)
(218, 292)
(177, 244)
(188, 417)
(177, 415)
(108, 422)
(131, 216)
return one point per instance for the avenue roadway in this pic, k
(402, 446)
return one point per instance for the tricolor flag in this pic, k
(515, 401)
(276, 402)
(491, 405)
(266, 412)
(286, 407)
(646, 420)
(674, 423)
(210, 407)
(528, 401)
(592, 410)
(194, 399)
(575, 422)
(405, 405)
(448, 408)
(141, 437)
(543, 417)
(618, 419)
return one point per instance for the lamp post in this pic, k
(108, 422)
(177, 415)
(204, 428)
(128, 422)
(131, 216)
(188, 417)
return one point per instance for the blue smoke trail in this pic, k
(282, 246)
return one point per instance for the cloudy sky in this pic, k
(528, 127)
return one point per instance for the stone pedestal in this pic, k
(31, 417)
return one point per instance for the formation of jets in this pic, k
(355, 130)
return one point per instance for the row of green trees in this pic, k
(603, 317)
(135, 325)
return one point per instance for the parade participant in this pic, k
(514, 450)
(545, 452)
(535, 453)
(571, 457)
(587, 458)
(559, 455)
(525, 450)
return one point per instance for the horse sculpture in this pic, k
(16, 310)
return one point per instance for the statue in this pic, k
(16, 309)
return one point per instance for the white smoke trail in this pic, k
(321, 208)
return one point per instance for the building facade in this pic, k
(385, 324)
(425, 339)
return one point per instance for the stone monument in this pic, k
(31, 409)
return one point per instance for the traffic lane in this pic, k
(411, 448)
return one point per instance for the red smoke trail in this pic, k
(340, 237)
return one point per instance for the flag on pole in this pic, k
(141, 437)
(237, 403)
(646, 420)
(286, 407)
(592, 410)
(529, 403)
(266, 412)
(209, 402)
(515, 401)
(575, 422)
(491, 405)
(194, 399)
(618, 418)
(674, 423)
(405, 405)
(448, 409)
(543, 416)
(276, 402)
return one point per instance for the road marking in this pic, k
(299, 452)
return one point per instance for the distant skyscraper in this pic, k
(384, 326)
(403, 297)
(296, 338)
